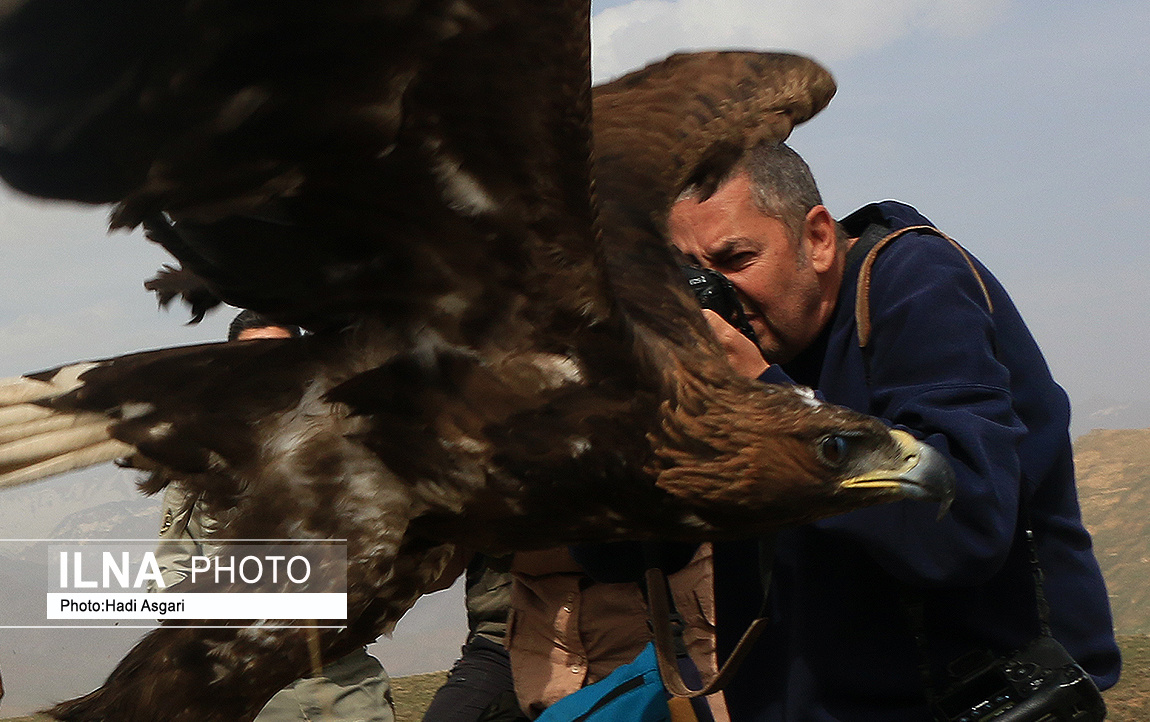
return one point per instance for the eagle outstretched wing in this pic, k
(503, 355)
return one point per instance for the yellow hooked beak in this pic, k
(919, 472)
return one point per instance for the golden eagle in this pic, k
(502, 352)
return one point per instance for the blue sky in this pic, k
(1020, 128)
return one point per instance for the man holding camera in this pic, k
(890, 613)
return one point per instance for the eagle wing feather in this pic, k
(503, 355)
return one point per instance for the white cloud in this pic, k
(629, 35)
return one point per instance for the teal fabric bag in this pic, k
(632, 693)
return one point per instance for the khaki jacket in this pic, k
(184, 531)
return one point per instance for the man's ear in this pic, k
(822, 236)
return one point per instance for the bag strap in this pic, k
(1040, 602)
(659, 607)
(862, 292)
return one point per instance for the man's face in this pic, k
(779, 286)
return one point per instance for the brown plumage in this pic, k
(172, 282)
(501, 358)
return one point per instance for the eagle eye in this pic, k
(833, 449)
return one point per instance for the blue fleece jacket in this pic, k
(974, 385)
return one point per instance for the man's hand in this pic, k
(743, 355)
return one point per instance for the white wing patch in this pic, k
(462, 191)
(135, 409)
(808, 396)
(557, 370)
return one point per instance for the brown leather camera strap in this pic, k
(660, 609)
(862, 297)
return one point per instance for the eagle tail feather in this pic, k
(70, 460)
(37, 441)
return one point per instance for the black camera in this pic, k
(715, 292)
(1041, 683)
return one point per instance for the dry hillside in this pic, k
(1114, 487)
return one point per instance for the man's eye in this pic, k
(738, 260)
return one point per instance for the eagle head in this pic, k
(793, 460)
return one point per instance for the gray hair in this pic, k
(782, 185)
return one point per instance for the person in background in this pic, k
(540, 628)
(354, 688)
(479, 687)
